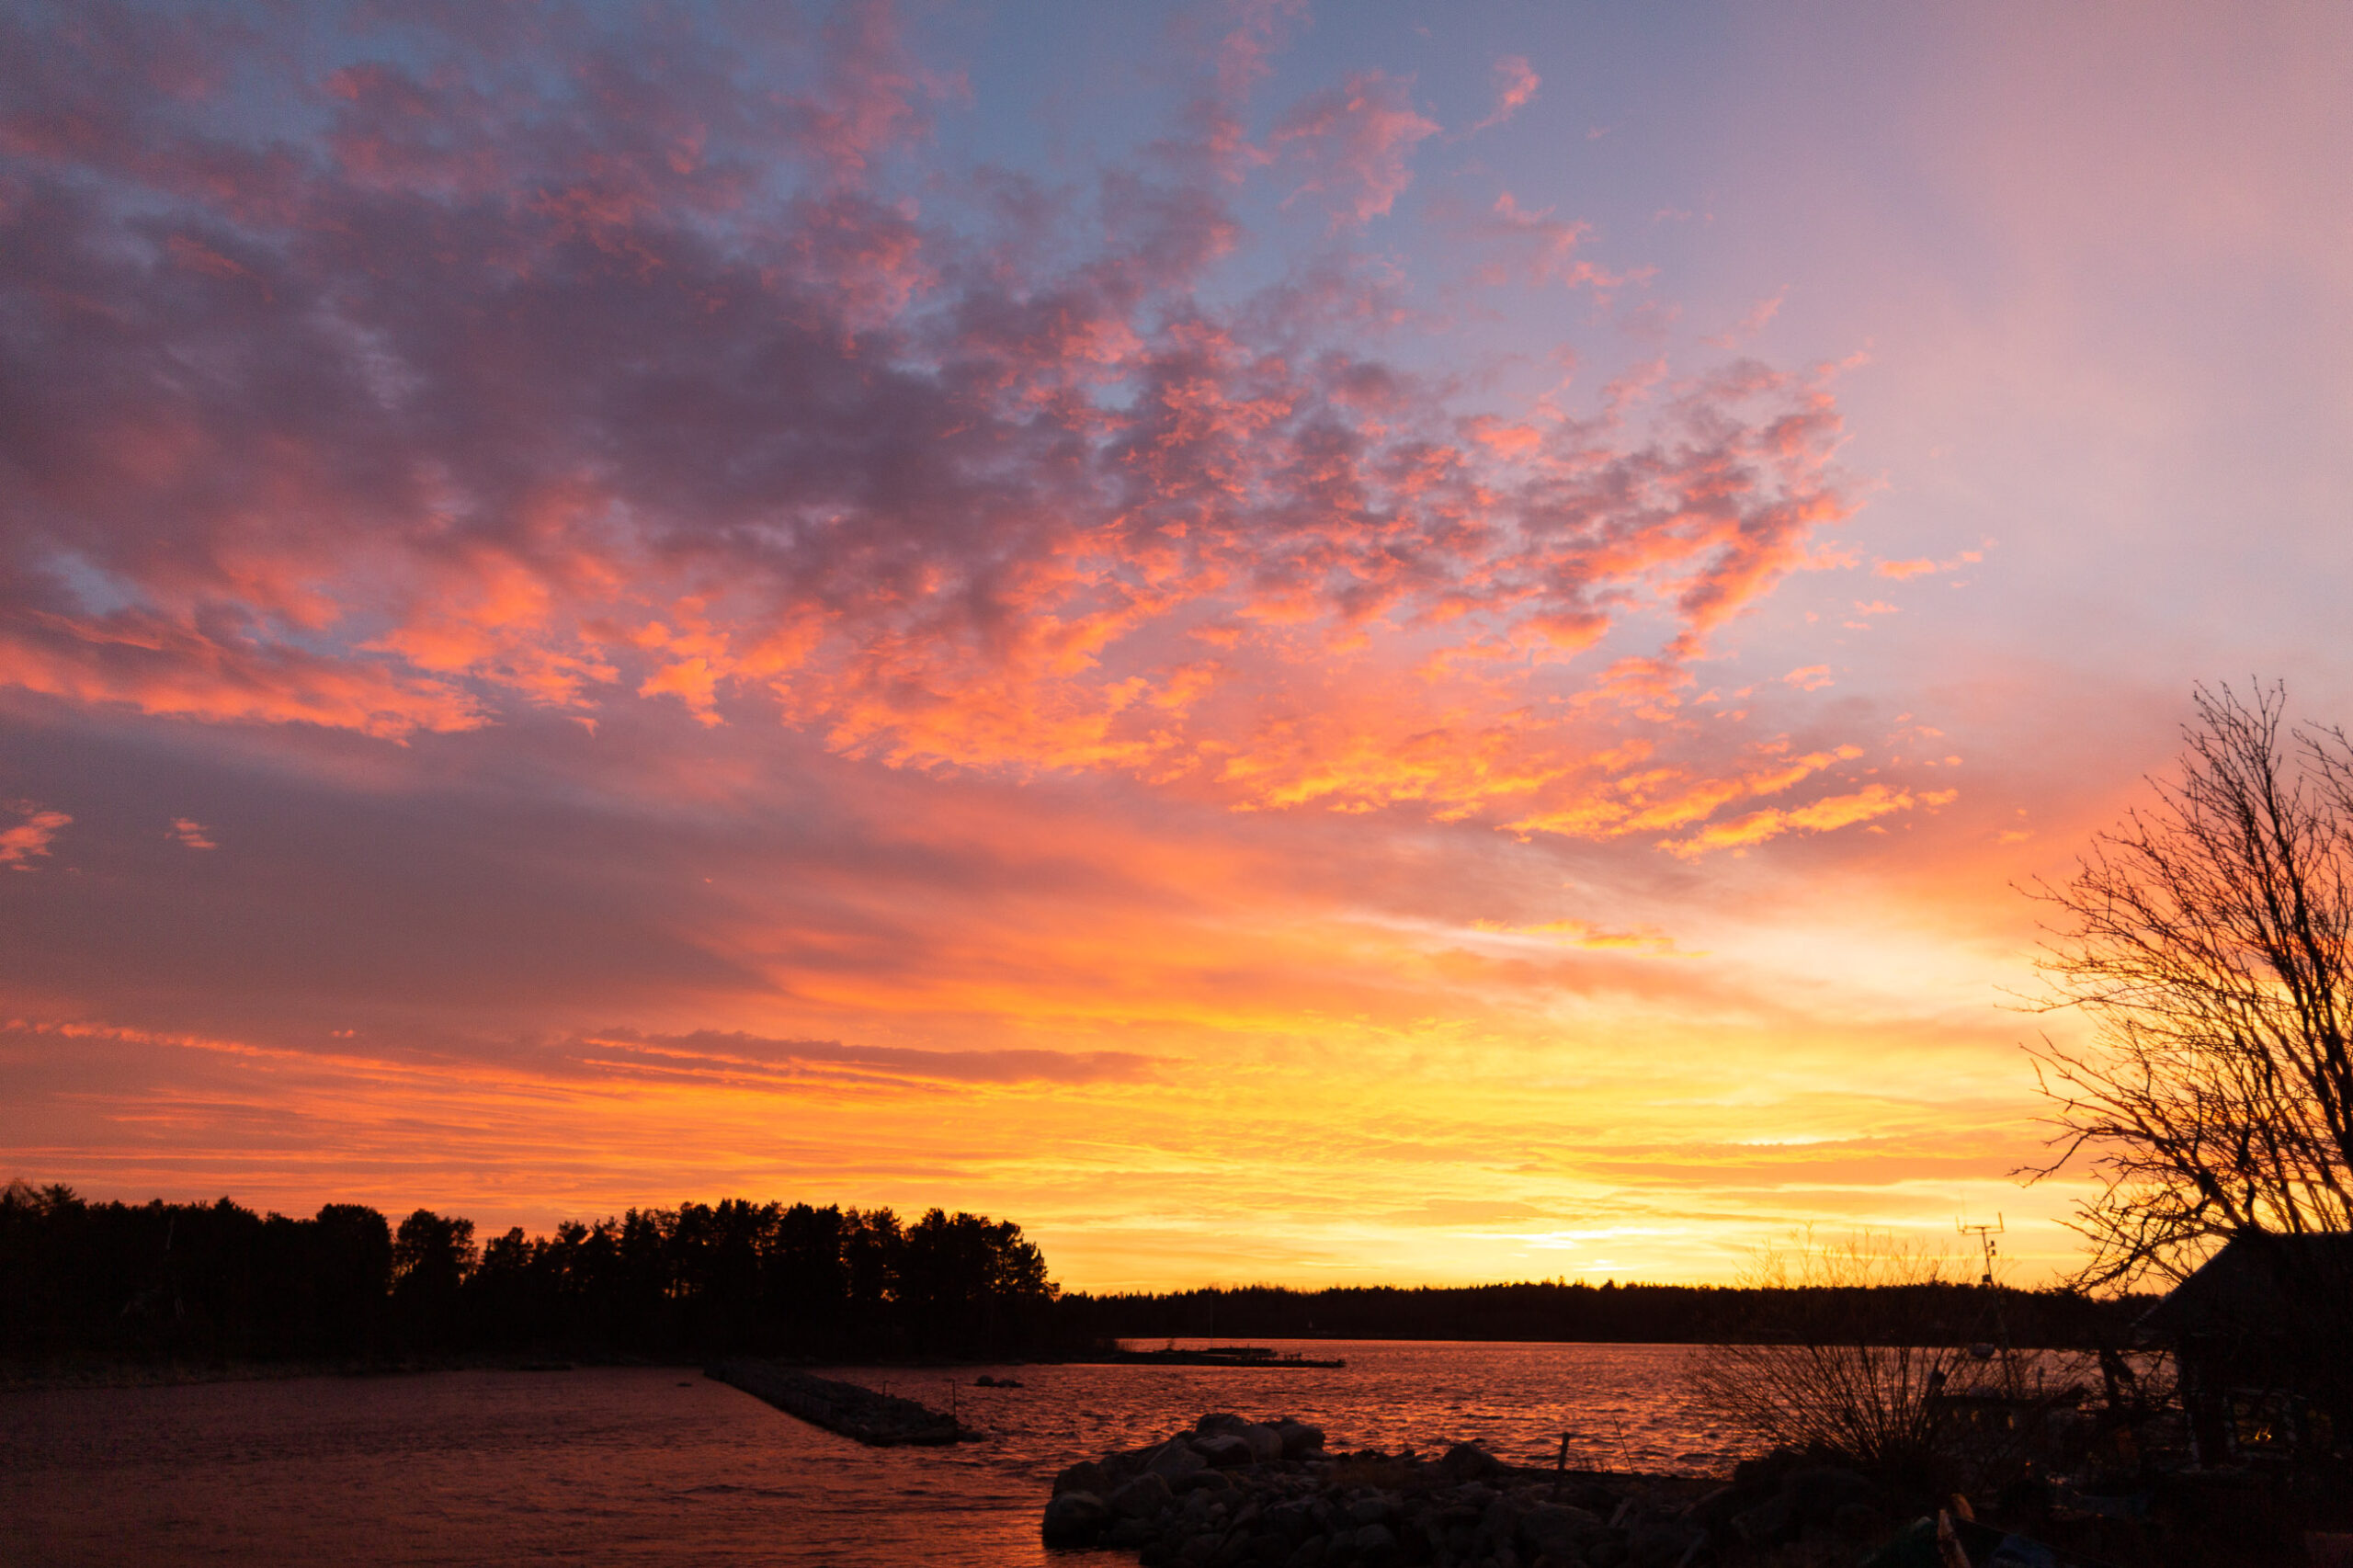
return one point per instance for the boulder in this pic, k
(1661, 1543)
(1770, 1523)
(1083, 1476)
(1075, 1518)
(1265, 1551)
(1176, 1458)
(1200, 1512)
(1558, 1530)
(1308, 1554)
(1225, 1451)
(1293, 1519)
(1219, 1424)
(1591, 1496)
(1299, 1438)
(1469, 1462)
(1266, 1443)
(1142, 1498)
(1201, 1550)
(1376, 1546)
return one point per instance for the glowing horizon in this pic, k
(1403, 645)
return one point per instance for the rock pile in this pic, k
(1237, 1492)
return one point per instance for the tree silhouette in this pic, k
(2209, 937)
(700, 1280)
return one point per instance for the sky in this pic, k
(1374, 643)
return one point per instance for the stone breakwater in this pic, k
(1268, 1492)
(880, 1420)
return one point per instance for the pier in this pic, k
(880, 1420)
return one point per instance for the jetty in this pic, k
(1214, 1355)
(880, 1420)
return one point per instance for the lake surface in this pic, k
(661, 1466)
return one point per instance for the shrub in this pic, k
(1874, 1354)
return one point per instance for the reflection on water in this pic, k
(637, 1465)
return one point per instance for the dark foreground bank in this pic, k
(1234, 1491)
(1231, 1493)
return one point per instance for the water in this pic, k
(660, 1465)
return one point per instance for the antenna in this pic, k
(1985, 1234)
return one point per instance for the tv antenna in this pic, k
(1985, 1234)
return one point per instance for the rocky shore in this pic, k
(1232, 1491)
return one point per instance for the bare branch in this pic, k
(2209, 939)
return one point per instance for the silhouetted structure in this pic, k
(2262, 1333)
(694, 1281)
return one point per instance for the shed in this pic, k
(2263, 1334)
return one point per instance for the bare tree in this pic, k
(2209, 937)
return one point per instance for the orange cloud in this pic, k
(1825, 815)
(147, 663)
(31, 836)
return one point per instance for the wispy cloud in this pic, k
(1351, 145)
(1516, 84)
(749, 1059)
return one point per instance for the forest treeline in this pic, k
(1610, 1312)
(220, 1280)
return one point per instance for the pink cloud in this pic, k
(1350, 145)
(1516, 84)
(1750, 324)
(1533, 247)
(193, 833)
(643, 381)
(1900, 570)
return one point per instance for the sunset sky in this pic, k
(1375, 642)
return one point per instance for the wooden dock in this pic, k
(882, 1420)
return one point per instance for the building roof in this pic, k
(2259, 1282)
